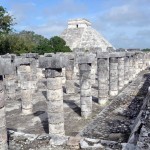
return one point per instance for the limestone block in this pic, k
(57, 61)
(102, 54)
(24, 68)
(83, 58)
(56, 128)
(6, 70)
(55, 106)
(85, 93)
(55, 118)
(53, 95)
(54, 83)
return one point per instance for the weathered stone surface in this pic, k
(53, 84)
(56, 129)
(57, 61)
(85, 58)
(113, 79)
(6, 70)
(55, 95)
(103, 79)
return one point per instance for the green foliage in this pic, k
(28, 41)
(6, 21)
(58, 45)
(146, 50)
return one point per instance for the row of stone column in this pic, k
(114, 71)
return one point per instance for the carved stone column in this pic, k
(103, 77)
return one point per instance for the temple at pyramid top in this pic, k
(78, 23)
(81, 35)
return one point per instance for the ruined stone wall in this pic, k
(112, 71)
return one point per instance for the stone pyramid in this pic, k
(80, 35)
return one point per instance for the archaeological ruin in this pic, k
(77, 100)
(93, 98)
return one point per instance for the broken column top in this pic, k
(56, 61)
(6, 67)
(85, 58)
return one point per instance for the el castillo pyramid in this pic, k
(80, 35)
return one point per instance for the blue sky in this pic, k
(124, 23)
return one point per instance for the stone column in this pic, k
(55, 101)
(103, 77)
(10, 82)
(24, 74)
(85, 89)
(113, 76)
(126, 70)
(121, 70)
(70, 87)
(53, 73)
(3, 129)
(85, 60)
(93, 72)
(130, 67)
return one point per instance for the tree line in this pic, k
(26, 41)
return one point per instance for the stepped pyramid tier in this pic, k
(80, 35)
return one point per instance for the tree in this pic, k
(59, 45)
(146, 50)
(6, 21)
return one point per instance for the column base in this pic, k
(86, 114)
(126, 82)
(102, 101)
(113, 93)
(57, 129)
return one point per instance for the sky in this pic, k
(124, 23)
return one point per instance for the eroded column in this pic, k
(3, 129)
(93, 72)
(121, 72)
(103, 77)
(113, 76)
(126, 70)
(24, 74)
(55, 101)
(70, 87)
(85, 60)
(85, 89)
(53, 74)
